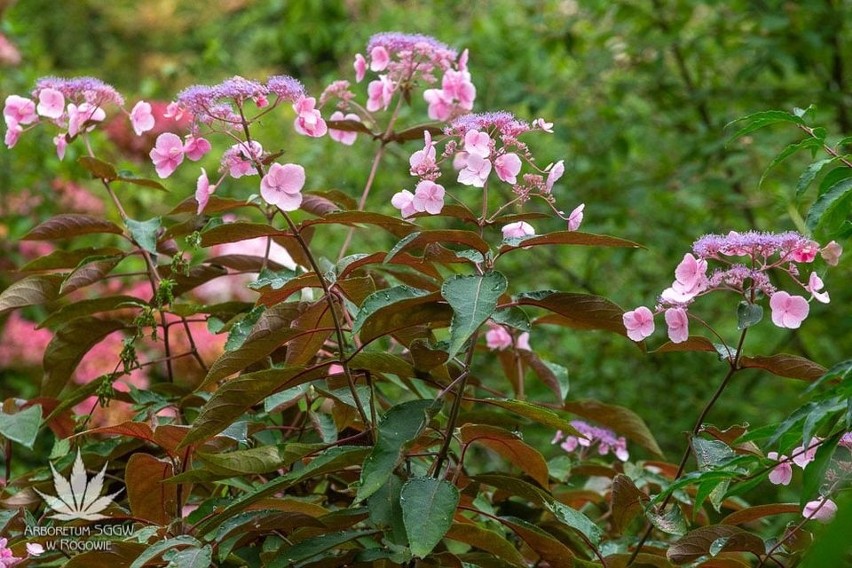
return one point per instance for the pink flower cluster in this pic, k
(74, 105)
(763, 252)
(477, 145)
(7, 557)
(604, 438)
(822, 509)
(402, 60)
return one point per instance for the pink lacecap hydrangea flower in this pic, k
(822, 510)
(379, 94)
(554, 175)
(639, 323)
(782, 473)
(575, 218)
(507, 166)
(429, 197)
(517, 230)
(802, 455)
(203, 190)
(788, 311)
(282, 186)
(142, 118)
(195, 147)
(678, 324)
(404, 201)
(167, 154)
(475, 171)
(346, 137)
(498, 338)
(309, 121)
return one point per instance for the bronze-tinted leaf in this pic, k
(551, 550)
(68, 347)
(71, 225)
(784, 365)
(149, 497)
(715, 539)
(89, 272)
(578, 311)
(568, 238)
(30, 291)
(236, 232)
(98, 168)
(756, 512)
(627, 501)
(511, 447)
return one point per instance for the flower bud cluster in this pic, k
(747, 260)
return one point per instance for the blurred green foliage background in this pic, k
(640, 92)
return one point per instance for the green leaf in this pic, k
(473, 299)
(748, 315)
(68, 347)
(760, 120)
(70, 225)
(621, 420)
(576, 520)
(814, 475)
(512, 317)
(710, 454)
(386, 510)
(383, 299)
(835, 197)
(190, 557)
(30, 291)
(398, 429)
(313, 546)
(21, 427)
(158, 548)
(241, 329)
(428, 506)
(274, 280)
(144, 233)
(810, 173)
(98, 168)
(807, 143)
(259, 460)
(670, 522)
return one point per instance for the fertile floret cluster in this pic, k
(74, 105)
(747, 260)
(592, 436)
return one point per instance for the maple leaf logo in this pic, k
(78, 497)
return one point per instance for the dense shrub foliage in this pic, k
(273, 372)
